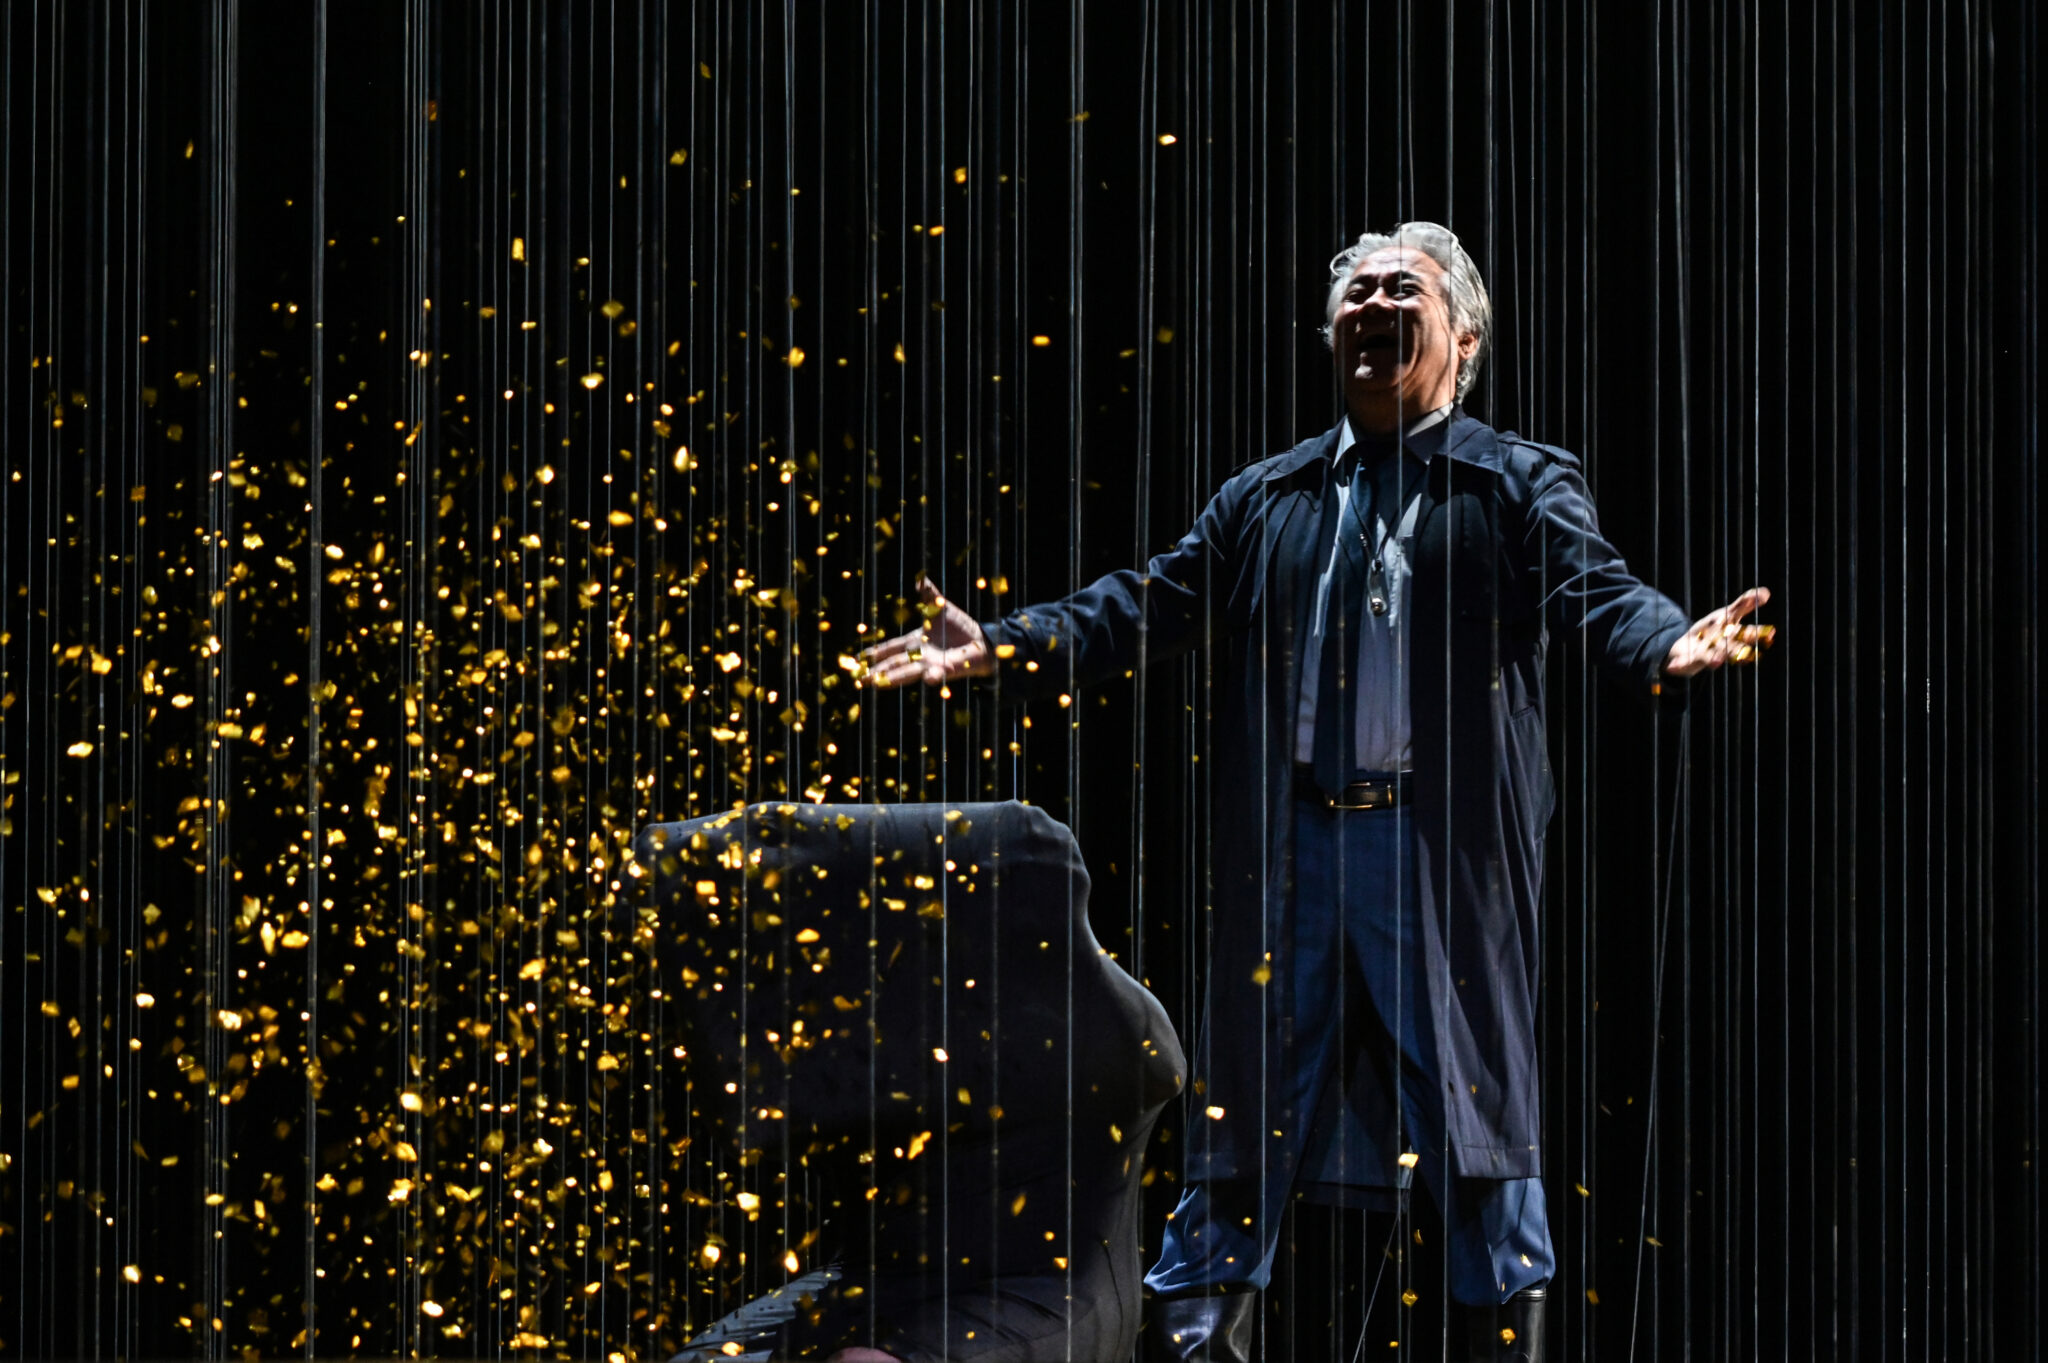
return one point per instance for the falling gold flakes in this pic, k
(592, 380)
(796, 357)
(79, 749)
(519, 248)
(1167, 139)
(1041, 341)
(748, 1202)
(431, 1308)
(1214, 1114)
(132, 1272)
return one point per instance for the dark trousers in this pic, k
(1362, 1074)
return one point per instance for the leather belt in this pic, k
(1378, 792)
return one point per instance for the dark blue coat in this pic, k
(1506, 547)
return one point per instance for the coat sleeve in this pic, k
(1105, 628)
(1587, 588)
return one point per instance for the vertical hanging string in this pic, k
(316, 456)
(1077, 94)
(219, 893)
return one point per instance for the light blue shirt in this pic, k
(1382, 670)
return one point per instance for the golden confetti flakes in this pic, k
(939, 1054)
(79, 749)
(1041, 341)
(917, 1144)
(899, 352)
(1167, 139)
(1214, 1114)
(795, 358)
(132, 1272)
(409, 1100)
(678, 156)
(431, 1308)
(710, 1254)
(790, 1262)
(748, 1202)
(592, 380)
(519, 248)
(145, 1000)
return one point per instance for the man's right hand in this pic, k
(949, 645)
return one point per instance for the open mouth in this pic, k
(1379, 347)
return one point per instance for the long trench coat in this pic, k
(1507, 547)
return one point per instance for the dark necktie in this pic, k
(1337, 687)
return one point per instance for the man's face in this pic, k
(1393, 342)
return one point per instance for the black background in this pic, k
(1772, 272)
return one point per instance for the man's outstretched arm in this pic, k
(1098, 631)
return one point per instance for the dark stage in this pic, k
(444, 442)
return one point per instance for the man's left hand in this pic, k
(1721, 637)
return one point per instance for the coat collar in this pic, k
(1459, 436)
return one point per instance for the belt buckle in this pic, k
(1369, 795)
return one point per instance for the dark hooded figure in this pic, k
(1376, 604)
(901, 1027)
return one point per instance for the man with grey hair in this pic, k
(1377, 603)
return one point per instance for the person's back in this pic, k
(913, 997)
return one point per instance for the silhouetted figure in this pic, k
(913, 997)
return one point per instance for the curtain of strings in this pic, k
(441, 441)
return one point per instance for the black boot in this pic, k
(1509, 1333)
(1214, 1328)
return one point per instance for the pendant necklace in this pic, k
(1376, 575)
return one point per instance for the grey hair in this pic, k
(1464, 290)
